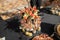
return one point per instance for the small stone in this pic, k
(28, 33)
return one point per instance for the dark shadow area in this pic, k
(3, 25)
(13, 24)
(47, 28)
(0, 18)
(36, 3)
(46, 10)
(2, 35)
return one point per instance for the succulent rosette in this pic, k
(30, 21)
(43, 37)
